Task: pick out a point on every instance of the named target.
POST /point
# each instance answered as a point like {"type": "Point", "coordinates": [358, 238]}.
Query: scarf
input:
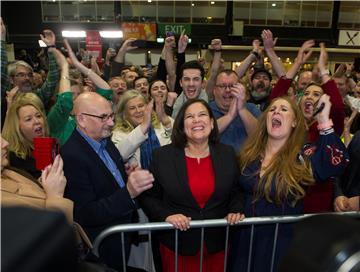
{"type": "Point", "coordinates": [147, 147]}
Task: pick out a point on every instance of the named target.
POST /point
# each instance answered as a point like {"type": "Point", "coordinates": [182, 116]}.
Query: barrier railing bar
{"type": "Point", "coordinates": [205, 223]}
{"type": "Point", "coordinates": [274, 247]}
{"type": "Point", "coordinates": [150, 257]}
{"type": "Point", "coordinates": [123, 250]}
{"type": "Point", "coordinates": [202, 249]}
{"type": "Point", "coordinates": [226, 246]}
{"type": "Point", "coordinates": [176, 249]}
{"type": "Point", "coordinates": [250, 247]}
{"type": "Point", "coordinates": [350, 263]}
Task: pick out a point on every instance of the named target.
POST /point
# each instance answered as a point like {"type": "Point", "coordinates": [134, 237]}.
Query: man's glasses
{"type": "Point", "coordinates": [23, 75]}
{"type": "Point", "coordinates": [224, 87]}
{"type": "Point", "coordinates": [104, 117]}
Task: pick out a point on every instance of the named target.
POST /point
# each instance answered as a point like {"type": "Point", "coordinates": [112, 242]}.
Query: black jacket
{"type": "Point", "coordinates": [171, 195]}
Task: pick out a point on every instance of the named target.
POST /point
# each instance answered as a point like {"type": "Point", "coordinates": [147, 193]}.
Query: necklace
{"type": "Point", "coordinates": [203, 154]}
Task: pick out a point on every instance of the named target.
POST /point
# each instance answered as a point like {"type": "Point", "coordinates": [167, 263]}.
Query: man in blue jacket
{"type": "Point", "coordinates": [103, 195]}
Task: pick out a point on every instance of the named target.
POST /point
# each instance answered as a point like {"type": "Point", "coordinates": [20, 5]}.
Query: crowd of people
{"type": "Point", "coordinates": [179, 142]}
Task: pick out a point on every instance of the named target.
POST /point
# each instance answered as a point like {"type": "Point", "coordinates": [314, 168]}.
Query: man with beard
{"type": "Point", "coordinates": [261, 91]}
{"type": "Point", "coordinates": [191, 79]}
{"type": "Point", "coordinates": [96, 178]}
{"type": "Point", "coordinates": [260, 87]}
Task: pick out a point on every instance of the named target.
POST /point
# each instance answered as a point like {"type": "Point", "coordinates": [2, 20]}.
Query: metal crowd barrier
{"type": "Point", "coordinates": [204, 224]}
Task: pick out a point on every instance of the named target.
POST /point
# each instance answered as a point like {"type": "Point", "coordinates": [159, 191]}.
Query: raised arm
{"type": "Point", "coordinates": [322, 64]}
{"type": "Point", "coordinates": [119, 59]}
{"type": "Point", "coordinates": [180, 56]}
{"type": "Point", "coordinates": [47, 90]}
{"type": "Point", "coordinates": [269, 44]}
{"type": "Point", "coordinates": [303, 55]}
{"type": "Point", "coordinates": [330, 158]}
{"type": "Point", "coordinates": [169, 61]}
{"type": "Point", "coordinates": [161, 69]}
{"type": "Point", "coordinates": [59, 114]}
{"type": "Point", "coordinates": [96, 79]}
{"type": "Point", "coordinates": [253, 56]}
{"type": "Point", "coordinates": [215, 66]}
{"type": "Point", "coordinates": [64, 85]}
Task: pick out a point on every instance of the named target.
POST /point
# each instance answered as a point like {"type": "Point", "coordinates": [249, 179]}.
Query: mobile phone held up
{"type": "Point", "coordinates": [139, 43]}
{"type": "Point", "coordinates": [319, 109]}
{"type": "Point", "coordinates": [45, 151]}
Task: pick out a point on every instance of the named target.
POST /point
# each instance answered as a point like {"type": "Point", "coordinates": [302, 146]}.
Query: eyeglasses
{"type": "Point", "coordinates": [104, 117]}
{"type": "Point", "coordinates": [224, 87]}
{"type": "Point", "coordinates": [23, 75]}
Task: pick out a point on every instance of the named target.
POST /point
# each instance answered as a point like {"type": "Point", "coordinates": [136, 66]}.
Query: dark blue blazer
{"type": "Point", "coordinates": [99, 202]}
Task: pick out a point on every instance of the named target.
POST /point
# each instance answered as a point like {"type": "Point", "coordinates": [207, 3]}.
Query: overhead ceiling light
{"type": "Point", "coordinates": [73, 33]}
{"type": "Point", "coordinates": [160, 40]}
{"type": "Point", "coordinates": [273, 4]}
{"type": "Point", "coordinates": [111, 34]}
{"type": "Point", "coordinates": [192, 4]}
{"type": "Point", "coordinates": [149, 1]}
{"type": "Point", "coordinates": [212, 3]}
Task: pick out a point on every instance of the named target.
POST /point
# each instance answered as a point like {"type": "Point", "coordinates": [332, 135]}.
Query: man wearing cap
{"type": "Point", "coordinates": [260, 87]}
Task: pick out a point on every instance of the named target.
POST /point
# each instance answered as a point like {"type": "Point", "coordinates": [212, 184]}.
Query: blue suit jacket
{"type": "Point", "coordinates": [99, 202]}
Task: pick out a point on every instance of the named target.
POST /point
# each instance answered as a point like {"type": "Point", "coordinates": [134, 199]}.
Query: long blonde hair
{"type": "Point", "coordinates": [290, 172]}
{"type": "Point", "coordinates": [18, 144]}
{"type": "Point", "coordinates": [121, 122]}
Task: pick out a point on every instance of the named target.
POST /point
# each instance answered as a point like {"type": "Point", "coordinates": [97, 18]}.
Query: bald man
{"type": "Point", "coordinates": [96, 179]}
{"type": "Point", "coordinates": [304, 79]}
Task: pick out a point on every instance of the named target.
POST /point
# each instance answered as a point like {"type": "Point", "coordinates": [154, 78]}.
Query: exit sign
{"type": "Point", "coordinates": [175, 28]}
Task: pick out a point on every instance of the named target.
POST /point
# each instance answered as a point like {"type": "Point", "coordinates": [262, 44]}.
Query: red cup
{"type": "Point", "coordinates": [45, 151]}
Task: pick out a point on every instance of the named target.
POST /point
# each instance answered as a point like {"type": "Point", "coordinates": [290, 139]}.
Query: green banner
{"type": "Point", "coordinates": [176, 28]}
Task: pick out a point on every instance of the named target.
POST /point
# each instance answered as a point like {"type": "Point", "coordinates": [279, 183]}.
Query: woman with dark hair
{"type": "Point", "coordinates": [160, 91]}
{"type": "Point", "coordinates": [196, 178]}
